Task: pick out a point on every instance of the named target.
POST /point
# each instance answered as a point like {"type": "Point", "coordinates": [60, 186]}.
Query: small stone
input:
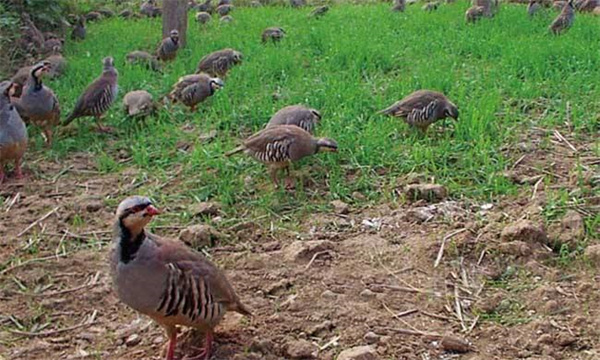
{"type": "Point", "coordinates": [133, 340]}
{"type": "Point", "coordinates": [358, 353]}
{"type": "Point", "coordinates": [358, 196]}
{"type": "Point", "coordinates": [565, 339]}
{"type": "Point", "coordinates": [305, 250]}
{"type": "Point", "coordinates": [545, 339]}
{"type": "Point", "coordinates": [371, 338]}
{"type": "Point", "coordinates": [279, 287]}
{"type": "Point", "coordinates": [572, 229]}
{"type": "Point", "coordinates": [367, 294]}
{"type": "Point", "coordinates": [328, 294]}
{"type": "Point", "coordinates": [323, 327]}
{"type": "Point", "coordinates": [158, 340]}
{"type": "Point", "coordinates": [263, 346]}
{"type": "Point", "coordinates": [593, 254]}
{"type": "Point", "coordinates": [87, 336]}
{"type": "Point", "coordinates": [271, 246]}
{"type": "Point", "coordinates": [301, 349]}
{"type": "Point", "coordinates": [524, 230]}
{"type": "Point", "coordinates": [206, 208]}
{"type": "Point", "coordinates": [454, 344]}
{"type": "Point", "coordinates": [427, 192]}
{"type": "Point", "coordinates": [515, 248]}
{"type": "Point", "coordinates": [94, 206]}
{"type": "Point", "coordinates": [340, 207]}
{"type": "Point", "coordinates": [198, 236]}
{"type": "Point", "coordinates": [207, 137]}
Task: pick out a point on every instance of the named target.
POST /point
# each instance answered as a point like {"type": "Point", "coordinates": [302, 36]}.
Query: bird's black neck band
{"type": "Point", "coordinates": [129, 245]}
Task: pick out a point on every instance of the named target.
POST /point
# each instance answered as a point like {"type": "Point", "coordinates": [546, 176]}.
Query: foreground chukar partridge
{"type": "Point", "coordinates": [167, 50]}
{"type": "Point", "coordinates": [138, 103]}
{"type": "Point", "coordinates": [218, 63]}
{"type": "Point", "coordinates": [166, 280]}
{"type": "Point", "coordinates": [279, 146]}
{"type": "Point", "coordinates": [99, 95]}
{"type": "Point", "coordinates": [13, 133]}
{"type": "Point", "coordinates": [37, 104]}
{"type": "Point", "coordinates": [298, 115]}
{"type": "Point", "coordinates": [564, 20]}
{"type": "Point", "coordinates": [193, 89]}
{"type": "Point", "coordinates": [474, 13]}
{"type": "Point", "coordinates": [422, 108]}
{"type": "Point", "coordinates": [273, 33]}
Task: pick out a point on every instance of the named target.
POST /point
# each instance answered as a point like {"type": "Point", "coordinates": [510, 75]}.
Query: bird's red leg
{"type": "Point", "coordinates": [172, 344]}
{"type": "Point", "coordinates": [1, 174]}
{"type": "Point", "coordinates": [18, 171]}
{"type": "Point", "coordinates": [207, 350]}
{"type": "Point", "coordinates": [48, 134]}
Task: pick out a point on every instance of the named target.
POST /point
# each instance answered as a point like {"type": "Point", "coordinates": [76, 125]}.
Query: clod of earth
{"type": "Point", "coordinates": [199, 236]}
{"type": "Point", "coordinates": [358, 353]}
{"type": "Point", "coordinates": [427, 192]}
{"type": "Point", "coordinates": [524, 230]}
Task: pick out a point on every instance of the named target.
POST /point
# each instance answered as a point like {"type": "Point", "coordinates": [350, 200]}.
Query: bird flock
{"type": "Point", "coordinates": [162, 278]}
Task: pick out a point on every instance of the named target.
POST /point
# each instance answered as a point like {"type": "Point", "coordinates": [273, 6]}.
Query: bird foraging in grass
{"type": "Point", "coordinates": [138, 104]}
{"type": "Point", "coordinates": [99, 96]}
{"type": "Point", "coordinates": [298, 115]}
{"type": "Point", "coordinates": [13, 133]}
{"type": "Point", "coordinates": [273, 33]}
{"type": "Point", "coordinates": [564, 20]}
{"type": "Point", "coordinates": [422, 108]}
{"type": "Point", "coordinates": [279, 146]}
{"type": "Point", "coordinates": [473, 14]}
{"type": "Point", "coordinates": [218, 63]}
{"type": "Point", "coordinates": [167, 50]}
{"type": "Point", "coordinates": [166, 280]}
{"type": "Point", "coordinates": [319, 11]}
{"type": "Point", "coordinates": [533, 7]}
{"type": "Point", "coordinates": [191, 90]}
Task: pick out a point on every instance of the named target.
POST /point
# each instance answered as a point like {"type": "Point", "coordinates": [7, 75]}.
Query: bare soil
{"type": "Point", "coordinates": [342, 280]}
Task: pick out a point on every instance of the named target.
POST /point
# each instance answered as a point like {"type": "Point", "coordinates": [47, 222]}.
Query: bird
{"type": "Point", "coordinates": [79, 31]}
{"type": "Point", "coordinates": [226, 19]}
{"type": "Point", "coordinates": [273, 33]}
{"type": "Point", "coordinates": [143, 58]}
{"type": "Point", "coordinates": [166, 280]}
{"type": "Point", "coordinates": [203, 17]}
{"type": "Point", "coordinates": [193, 89]}
{"type": "Point", "coordinates": [31, 38]}
{"type": "Point", "coordinates": [126, 14]}
{"type": "Point", "coordinates": [138, 103]}
{"type": "Point", "coordinates": [564, 20]}
{"type": "Point", "coordinates": [93, 16]}
{"type": "Point", "coordinates": [422, 108]}
{"type": "Point", "coordinates": [52, 45]}
{"type": "Point", "coordinates": [107, 13]}
{"type": "Point", "coordinates": [278, 146]}
{"type": "Point", "coordinates": [588, 5]}
{"type": "Point", "coordinates": [167, 50]}
{"type": "Point", "coordinates": [19, 80]}
{"type": "Point", "coordinates": [224, 9]}
{"type": "Point", "coordinates": [431, 6]}
{"type": "Point", "coordinates": [206, 6]}
{"type": "Point", "coordinates": [533, 7]}
{"type": "Point", "coordinates": [37, 104]}
{"type": "Point", "coordinates": [558, 5]}
{"type": "Point", "coordinates": [474, 13]}
{"type": "Point", "coordinates": [58, 64]}
{"type": "Point", "coordinates": [13, 133]}
{"type": "Point", "coordinates": [298, 115]}
{"type": "Point", "coordinates": [224, 2]}
{"type": "Point", "coordinates": [297, 3]}
{"type": "Point", "coordinates": [255, 4]}
{"type": "Point", "coordinates": [149, 9]}
{"type": "Point", "coordinates": [399, 5]}
{"type": "Point", "coordinates": [319, 11]}
{"type": "Point", "coordinates": [219, 63]}
{"type": "Point", "coordinates": [98, 96]}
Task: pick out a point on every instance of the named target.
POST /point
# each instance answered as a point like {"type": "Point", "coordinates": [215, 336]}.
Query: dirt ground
{"type": "Point", "coordinates": [363, 277]}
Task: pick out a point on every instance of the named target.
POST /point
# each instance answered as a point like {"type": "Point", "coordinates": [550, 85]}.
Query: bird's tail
{"type": "Point", "coordinates": [69, 119]}
{"type": "Point", "coordinates": [238, 149]}
{"type": "Point", "coordinates": [389, 111]}
{"type": "Point", "coordinates": [241, 308]}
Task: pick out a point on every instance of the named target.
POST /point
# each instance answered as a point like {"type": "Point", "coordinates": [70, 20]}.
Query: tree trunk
{"type": "Point", "coordinates": [174, 14]}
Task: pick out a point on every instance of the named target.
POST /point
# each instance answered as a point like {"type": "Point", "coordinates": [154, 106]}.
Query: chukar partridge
{"type": "Point", "coordinates": [167, 50]}
{"type": "Point", "coordinates": [319, 11]}
{"type": "Point", "coordinates": [107, 13]}
{"type": "Point", "coordinates": [13, 133]}
{"type": "Point", "coordinates": [138, 103]}
{"type": "Point", "coordinates": [79, 31]}
{"type": "Point", "coordinates": [93, 16]}
{"type": "Point", "coordinates": [422, 108]}
{"type": "Point", "coordinates": [58, 64]}
{"type": "Point", "coordinates": [273, 33]}
{"type": "Point", "coordinates": [399, 5]}
{"type": "Point", "coordinates": [224, 9]}
{"type": "Point", "coordinates": [206, 6]}
{"type": "Point", "coordinates": [149, 9]}
{"type": "Point", "coordinates": [473, 14]}
{"type": "Point", "coordinates": [279, 146]}
{"type": "Point", "coordinates": [143, 58]}
{"type": "Point", "coordinates": [126, 14]}
{"type": "Point", "coordinates": [297, 3]}
{"type": "Point", "coordinates": [226, 19]}
{"type": "Point", "coordinates": [564, 20]}
{"type": "Point", "coordinates": [166, 280]}
{"type": "Point", "coordinates": [191, 90]}
{"type": "Point", "coordinates": [224, 2]}
{"type": "Point", "coordinates": [203, 17]}
{"type": "Point", "coordinates": [99, 95]}
{"type": "Point", "coordinates": [588, 6]}
{"type": "Point", "coordinates": [19, 80]}
{"type": "Point", "coordinates": [218, 63]}
{"type": "Point", "coordinates": [431, 6]}
{"type": "Point", "coordinates": [37, 104]}
{"type": "Point", "coordinates": [533, 7]}
{"type": "Point", "coordinates": [298, 115]}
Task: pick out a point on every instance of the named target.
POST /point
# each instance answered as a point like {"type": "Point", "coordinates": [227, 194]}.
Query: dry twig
{"type": "Point", "coordinates": [38, 221]}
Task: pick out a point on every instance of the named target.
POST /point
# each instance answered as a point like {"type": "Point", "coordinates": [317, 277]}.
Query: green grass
{"type": "Point", "coordinates": [351, 63]}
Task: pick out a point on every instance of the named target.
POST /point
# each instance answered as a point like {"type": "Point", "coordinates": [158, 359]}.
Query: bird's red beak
{"type": "Point", "coordinates": [152, 211]}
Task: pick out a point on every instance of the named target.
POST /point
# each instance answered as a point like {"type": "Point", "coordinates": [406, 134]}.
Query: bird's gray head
{"type": "Point", "coordinates": [108, 62]}
{"type": "Point", "coordinates": [7, 90]}
{"type": "Point", "coordinates": [135, 213]}
{"type": "Point", "coordinates": [451, 111]}
{"type": "Point", "coordinates": [216, 84]}
{"type": "Point", "coordinates": [316, 114]}
{"type": "Point", "coordinates": [41, 68]}
{"type": "Point", "coordinates": [237, 57]}
{"type": "Point", "coordinates": [174, 34]}
{"type": "Point", "coordinates": [326, 144]}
